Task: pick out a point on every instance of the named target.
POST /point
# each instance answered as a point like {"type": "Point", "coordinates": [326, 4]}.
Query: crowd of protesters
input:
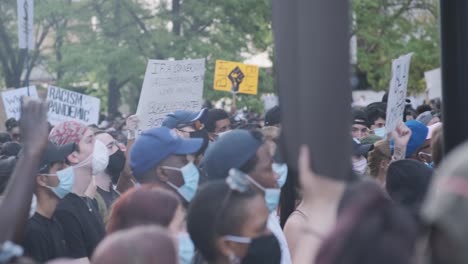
{"type": "Point", "coordinates": [212, 187]}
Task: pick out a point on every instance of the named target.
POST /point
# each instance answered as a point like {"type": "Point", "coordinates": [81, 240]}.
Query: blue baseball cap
{"type": "Point", "coordinates": [232, 150]}
{"type": "Point", "coordinates": [184, 118]}
{"type": "Point", "coordinates": [418, 135]}
{"type": "Point", "coordinates": [155, 145]}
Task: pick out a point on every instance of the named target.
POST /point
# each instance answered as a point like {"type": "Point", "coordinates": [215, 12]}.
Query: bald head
{"type": "Point", "coordinates": [143, 245]}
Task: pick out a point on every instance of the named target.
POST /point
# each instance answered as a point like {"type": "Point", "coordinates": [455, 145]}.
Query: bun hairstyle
{"type": "Point", "coordinates": [11, 123]}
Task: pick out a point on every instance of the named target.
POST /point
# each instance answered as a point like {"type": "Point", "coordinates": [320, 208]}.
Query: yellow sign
{"type": "Point", "coordinates": [236, 77]}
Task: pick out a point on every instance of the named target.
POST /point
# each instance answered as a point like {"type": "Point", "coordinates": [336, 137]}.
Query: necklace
{"type": "Point", "coordinates": [87, 202]}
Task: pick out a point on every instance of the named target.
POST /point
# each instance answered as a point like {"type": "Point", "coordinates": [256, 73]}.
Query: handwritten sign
{"type": "Point", "coordinates": [25, 10]}
{"type": "Point", "coordinates": [236, 77]}
{"type": "Point", "coordinates": [68, 105]}
{"type": "Point", "coordinates": [12, 100]}
{"type": "Point", "coordinates": [397, 92]}
{"type": "Point", "coordinates": [434, 83]}
{"type": "Point", "coordinates": [169, 86]}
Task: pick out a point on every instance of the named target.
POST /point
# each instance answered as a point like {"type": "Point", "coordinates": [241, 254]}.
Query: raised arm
{"type": "Point", "coordinates": [16, 203]}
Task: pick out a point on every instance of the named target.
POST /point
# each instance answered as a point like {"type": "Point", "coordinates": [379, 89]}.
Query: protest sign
{"type": "Point", "coordinates": [434, 83]}
{"type": "Point", "coordinates": [12, 100]}
{"type": "Point", "coordinates": [397, 91]}
{"type": "Point", "coordinates": [169, 86]}
{"type": "Point", "coordinates": [269, 101]}
{"type": "Point", "coordinates": [25, 10]}
{"type": "Point", "coordinates": [236, 77]}
{"type": "Point", "coordinates": [68, 105]}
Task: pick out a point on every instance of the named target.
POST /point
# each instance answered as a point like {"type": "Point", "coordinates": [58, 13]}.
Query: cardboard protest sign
{"type": "Point", "coordinates": [170, 86]}
{"type": "Point", "coordinates": [434, 83]}
{"type": "Point", "coordinates": [25, 10]}
{"type": "Point", "coordinates": [397, 92]}
{"type": "Point", "coordinates": [12, 100]}
{"type": "Point", "coordinates": [68, 105]}
{"type": "Point", "coordinates": [236, 77]}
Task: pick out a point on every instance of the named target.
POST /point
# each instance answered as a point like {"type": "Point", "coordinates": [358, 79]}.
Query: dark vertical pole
{"type": "Point", "coordinates": [454, 37]}
{"type": "Point", "coordinates": [313, 75]}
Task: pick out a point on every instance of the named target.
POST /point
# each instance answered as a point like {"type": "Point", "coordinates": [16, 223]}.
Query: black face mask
{"type": "Point", "coordinates": [203, 135]}
{"type": "Point", "coordinates": [263, 250]}
{"type": "Point", "coordinates": [116, 165]}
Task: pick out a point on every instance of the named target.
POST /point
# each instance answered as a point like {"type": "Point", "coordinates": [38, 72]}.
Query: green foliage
{"type": "Point", "coordinates": [386, 29]}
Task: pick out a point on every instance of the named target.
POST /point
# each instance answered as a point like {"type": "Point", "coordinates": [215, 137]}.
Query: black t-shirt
{"type": "Point", "coordinates": [108, 197]}
{"type": "Point", "coordinates": [82, 225]}
{"type": "Point", "coordinates": [44, 239]}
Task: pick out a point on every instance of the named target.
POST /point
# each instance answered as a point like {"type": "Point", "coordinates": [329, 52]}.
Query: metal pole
{"type": "Point", "coordinates": [313, 75]}
{"type": "Point", "coordinates": [454, 43]}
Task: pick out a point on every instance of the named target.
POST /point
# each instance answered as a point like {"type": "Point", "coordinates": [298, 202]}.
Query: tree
{"type": "Point", "coordinates": [386, 29]}
{"type": "Point", "coordinates": [13, 60]}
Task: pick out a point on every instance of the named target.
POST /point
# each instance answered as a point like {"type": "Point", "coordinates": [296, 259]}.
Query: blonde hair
{"type": "Point", "coordinates": [375, 157]}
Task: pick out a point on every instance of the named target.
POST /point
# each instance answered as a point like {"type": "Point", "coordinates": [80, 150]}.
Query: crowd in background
{"type": "Point", "coordinates": [214, 187]}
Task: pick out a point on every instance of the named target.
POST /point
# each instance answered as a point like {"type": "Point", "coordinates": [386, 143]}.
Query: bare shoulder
{"type": "Point", "coordinates": [294, 225]}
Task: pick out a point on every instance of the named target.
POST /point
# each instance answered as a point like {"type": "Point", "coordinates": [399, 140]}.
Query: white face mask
{"type": "Point", "coordinates": [99, 159]}
{"type": "Point", "coordinates": [360, 166]}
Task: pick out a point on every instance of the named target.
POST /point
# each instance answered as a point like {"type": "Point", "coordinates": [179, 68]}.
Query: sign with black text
{"type": "Point", "coordinates": [68, 105]}
{"type": "Point", "coordinates": [12, 100]}
{"type": "Point", "coordinates": [170, 86]}
{"type": "Point", "coordinates": [397, 93]}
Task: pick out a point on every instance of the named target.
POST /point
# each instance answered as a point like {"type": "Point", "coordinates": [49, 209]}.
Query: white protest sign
{"type": "Point", "coordinates": [269, 101]}
{"type": "Point", "coordinates": [25, 12]}
{"type": "Point", "coordinates": [170, 86]}
{"type": "Point", "coordinates": [434, 83]}
{"type": "Point", "coordinates": [68, 105]}
{"type": "Point", "coordinates": [397, 92]}
{"type": "Point", "coordinates": [12, 100]}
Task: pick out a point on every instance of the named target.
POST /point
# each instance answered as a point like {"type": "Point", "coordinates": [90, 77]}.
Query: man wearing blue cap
{"type": "Point", "coordinates": [185, 122]}
{"type": "Point", "coordinates": [159, 156]}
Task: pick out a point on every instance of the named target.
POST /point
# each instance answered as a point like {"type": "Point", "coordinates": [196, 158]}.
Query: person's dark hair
{"type": "Point", "coordinates": [145, 205]}
{"type": "Point", "coordinates": [407, 183]}
{"type": "Point", "coordinates": [375, 113]}
{"type": "Point", "coordinates": [423, 108]}
{"type": "Point", "coordinates": [215, 211]}
{"type": "Point", "coordinates": [385, 98]}
{"type": "Point", "coordinates": [7, 166]}
{"type": "Point", "coordinates": [11, 123]}
{"type": "Point", "coordinates": [289, 196]}
{"type": "Point", "coordinates": [212, 117]}
{"type": "Point", "coordinates": [409, 111]}
{"type": "Point", "coordinates": [10, 149]}
{"type": "Point", "coordinates": [249, 126]}
{"type": "Point", "coordinates": [4, 137]}
{"type": "Point", "coordinates": [371, 229]}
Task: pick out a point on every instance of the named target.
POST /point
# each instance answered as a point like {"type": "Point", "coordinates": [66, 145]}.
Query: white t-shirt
{"type": "Point", "coordinates": [275, 228]}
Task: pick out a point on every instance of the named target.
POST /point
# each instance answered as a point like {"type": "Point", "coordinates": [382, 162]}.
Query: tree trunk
{"type": "Point", "coordinates": [113, 96]}
{"type": "Point", "coordinates": [176, 23]}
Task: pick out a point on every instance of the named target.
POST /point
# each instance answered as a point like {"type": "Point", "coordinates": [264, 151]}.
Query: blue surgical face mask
{"type": "Point", "coordinates": [66, 178]}
{"type": "Point", "coordinates": [282, 170]}
{"type": "Point", "coordinates": [272, 195]}
{"type": "Point", "coordinates": [186, 249]}
{"type": "Point", "coordinates": [380, 132]}
{"type": "Point", "coordinates": [191, 177]}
